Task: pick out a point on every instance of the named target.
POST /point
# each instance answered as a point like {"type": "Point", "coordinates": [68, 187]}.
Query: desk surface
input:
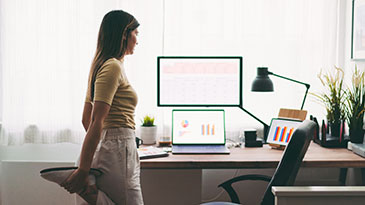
{"type": "Point", "coordinates": [263, 157]}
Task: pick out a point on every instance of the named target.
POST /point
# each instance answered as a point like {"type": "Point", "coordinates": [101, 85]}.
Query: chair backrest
{"type": "Point", "coordinates": [291, 160]}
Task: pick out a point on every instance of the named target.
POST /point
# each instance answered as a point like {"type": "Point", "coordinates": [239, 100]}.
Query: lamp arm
{"type": "Point", "coordinates": [305, 95]}
{"type": "Point", "coordinates": [266, 127]}
{"type": "Point", "coordinates": [306, 85]}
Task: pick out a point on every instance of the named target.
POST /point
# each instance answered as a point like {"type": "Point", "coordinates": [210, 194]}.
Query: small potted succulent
{"type": "Point", "coordinates": [355, 106]}
{"type": "Point", "coordinates": [333, 99]}
{"type": "Point", "coordinates": [148, 130]}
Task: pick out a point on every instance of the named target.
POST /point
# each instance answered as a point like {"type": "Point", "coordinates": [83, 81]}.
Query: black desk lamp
{"type": "Point", "coordinates": [262, 82]}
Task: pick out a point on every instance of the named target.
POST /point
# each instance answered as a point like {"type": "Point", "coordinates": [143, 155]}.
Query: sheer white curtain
{"type": "Point", "coordinates": [46, 47]}
{"type": "Point", "coordinates": [46, 50]}
{"type": "Point", "coordinates": [293, 38]}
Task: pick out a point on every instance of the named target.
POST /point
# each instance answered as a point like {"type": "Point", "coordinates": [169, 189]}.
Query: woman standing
{"type": "Point", "coordinates": [108, 118]}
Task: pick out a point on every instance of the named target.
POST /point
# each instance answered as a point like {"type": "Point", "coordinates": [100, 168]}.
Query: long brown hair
{"type": "Point", "coordinates": [113, 37]}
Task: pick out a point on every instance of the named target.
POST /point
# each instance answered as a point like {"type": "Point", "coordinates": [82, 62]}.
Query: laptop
{"type": "Point", "coordinates": [198, 132]}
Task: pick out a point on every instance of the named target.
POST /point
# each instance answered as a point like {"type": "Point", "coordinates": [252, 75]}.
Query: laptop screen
{"type": "Point", "coordinates": [198, 127]}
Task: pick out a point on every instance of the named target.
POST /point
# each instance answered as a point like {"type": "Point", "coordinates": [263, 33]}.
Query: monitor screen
{"type": "Point", "coordinates": [199, 81]}
{"type": "Point", "coordinates": [198, 127]}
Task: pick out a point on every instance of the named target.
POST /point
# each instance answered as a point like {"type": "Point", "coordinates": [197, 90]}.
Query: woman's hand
{"type": "Point", "coordinates": [77, 181]}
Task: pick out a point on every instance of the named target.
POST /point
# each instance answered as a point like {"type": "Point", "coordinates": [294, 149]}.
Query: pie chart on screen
{"type": "Point", "coordinates": [184, 123]}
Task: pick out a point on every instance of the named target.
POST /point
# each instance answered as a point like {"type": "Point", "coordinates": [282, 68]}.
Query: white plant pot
{"type": "Point", "coordinates": [149, 134]}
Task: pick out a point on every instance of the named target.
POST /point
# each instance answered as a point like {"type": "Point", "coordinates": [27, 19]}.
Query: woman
{"type": "Point", "coordinates": [108, 118]}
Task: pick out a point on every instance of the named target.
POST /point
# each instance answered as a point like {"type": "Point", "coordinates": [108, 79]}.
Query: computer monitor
{"type": "Point", "coordinates": [199, 81]}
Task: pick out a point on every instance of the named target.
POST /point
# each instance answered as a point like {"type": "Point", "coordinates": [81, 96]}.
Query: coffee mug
{"type": "Point", "coordinates": [138, 142]}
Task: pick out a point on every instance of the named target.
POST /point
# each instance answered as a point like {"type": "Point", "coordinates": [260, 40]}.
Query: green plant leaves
{"type": "Point", "coordinates": [355, 101]}
{"type": "Point", "coordinates": [343, 103]}
{"type": "Point", "coordinates": [334, 97]}
{"type": "Point", "coordinates": [148, 121]}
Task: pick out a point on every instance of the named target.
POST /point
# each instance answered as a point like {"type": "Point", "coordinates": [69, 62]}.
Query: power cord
{"type": "Point", "coordinates": [221, 192]}
{"type": "Point", "coordinates": [232, 143]}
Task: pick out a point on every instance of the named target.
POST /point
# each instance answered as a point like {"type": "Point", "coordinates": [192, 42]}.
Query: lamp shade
{"type": "Point", "coordinates": [262, 82]}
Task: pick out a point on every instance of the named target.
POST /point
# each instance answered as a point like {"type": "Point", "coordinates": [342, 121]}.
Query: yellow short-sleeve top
{"type": "Point", "coordinates": [113, 88]}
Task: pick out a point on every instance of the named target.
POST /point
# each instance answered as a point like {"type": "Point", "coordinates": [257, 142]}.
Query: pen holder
{"type": "Point", "coordinates": [327, 137]}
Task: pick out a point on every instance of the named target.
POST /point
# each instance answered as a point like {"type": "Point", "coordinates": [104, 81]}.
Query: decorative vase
{"type": "Point", "coordinates": [148, 134]}
{"type": "Point", "coordinates": [357, 135]}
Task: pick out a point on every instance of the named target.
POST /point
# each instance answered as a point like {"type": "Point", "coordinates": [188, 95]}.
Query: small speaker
{"type": "Point", "coordinates": [256, 143]}
{"type": "Point", "coordinates": [250, 135]}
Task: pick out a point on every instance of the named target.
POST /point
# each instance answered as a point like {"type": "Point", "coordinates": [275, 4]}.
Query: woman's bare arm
{"type": "Point", "coordinates": [79, 179]}
{"type": "Point", "coordinates": [86, 115]}
{"type": "Point", "coordinates": [99, 112]}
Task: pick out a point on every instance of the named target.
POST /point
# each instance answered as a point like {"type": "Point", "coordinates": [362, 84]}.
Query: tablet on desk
{"type": "Point", "coordinates": [281, 130]}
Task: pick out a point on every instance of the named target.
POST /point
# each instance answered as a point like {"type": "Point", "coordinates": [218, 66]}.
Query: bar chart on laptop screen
{"type": "Point", "coordinates": [199, 81]}
{"type": "Point", "coordinates": [198, 127]}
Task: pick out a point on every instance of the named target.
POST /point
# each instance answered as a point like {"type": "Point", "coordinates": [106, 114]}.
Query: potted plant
{"type": "Point", "coordinates": [333, 99]}
{"type": "Point", "coordinates": [148, 130]}
{"type": "Point", "coordinates": [355, 108]}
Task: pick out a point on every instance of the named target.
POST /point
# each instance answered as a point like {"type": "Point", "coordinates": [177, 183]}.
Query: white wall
{"type": "Point", "coordinates": [20, 182]}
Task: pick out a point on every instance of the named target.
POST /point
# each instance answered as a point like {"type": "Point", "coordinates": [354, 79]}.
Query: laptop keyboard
{"type": "Point", "coordinates": [199, 148]}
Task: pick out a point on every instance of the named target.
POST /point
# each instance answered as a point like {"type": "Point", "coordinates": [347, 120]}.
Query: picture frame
{"type": "Point", "coordinates": [358, 30]}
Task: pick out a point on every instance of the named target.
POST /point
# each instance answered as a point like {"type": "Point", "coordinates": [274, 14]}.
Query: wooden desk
{"type": "Point", "coordinates": [164, 179]}
{"type": "Point", "coordinates": [262, 157]}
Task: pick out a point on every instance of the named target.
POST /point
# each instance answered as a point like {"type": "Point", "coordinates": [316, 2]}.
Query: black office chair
{"type": "Point", "coordinates": [286, 171]}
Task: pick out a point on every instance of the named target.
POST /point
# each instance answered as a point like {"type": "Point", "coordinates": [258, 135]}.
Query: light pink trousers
{"type": "Point", "coordinates": [116, 156]}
